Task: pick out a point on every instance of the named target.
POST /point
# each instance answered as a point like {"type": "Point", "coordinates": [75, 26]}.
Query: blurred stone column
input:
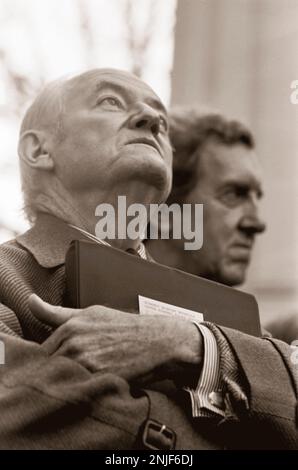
{"type": "Point", "coordinates": [241, 56]}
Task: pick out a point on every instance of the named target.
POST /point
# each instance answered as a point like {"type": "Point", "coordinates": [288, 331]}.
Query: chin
{"type": "Point", "coordinates": [156, 176]}
{"type": "Point", "coordinates": [147, 165]}
{"type": "Point", "coordinates": [233, 279]}
{"type": "Point", "coordinates": [233, 273]}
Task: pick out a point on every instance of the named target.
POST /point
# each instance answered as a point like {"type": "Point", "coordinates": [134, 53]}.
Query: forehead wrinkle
{"type": "Point", "coordinates": [216, 166]}
{"type": "Point", "coordinates": [94, 80]}
{"type": "Point", "coordinates": [112, 85]}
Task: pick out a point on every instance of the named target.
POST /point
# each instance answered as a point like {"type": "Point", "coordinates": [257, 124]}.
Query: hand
{"type": "Point", "coordinates": [107, 340]}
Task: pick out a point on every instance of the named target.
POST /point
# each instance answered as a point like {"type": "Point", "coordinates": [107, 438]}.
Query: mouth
{"type": "Point", "coordinates": [145, 141]}
{"type": "Point", "coordinates": [241, 252]}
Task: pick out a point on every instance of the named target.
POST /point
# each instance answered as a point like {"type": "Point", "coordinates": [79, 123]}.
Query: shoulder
{"type": "Point", "coordinates": [16, 261]}
{"type": "Point", "coordinates": [20, 276]}
{"type": "Point", "coordinates": [11, 253]}
{"type": "Point", "coordinates": [18, 266]}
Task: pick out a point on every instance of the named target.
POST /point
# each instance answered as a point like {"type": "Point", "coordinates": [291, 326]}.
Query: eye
{"type": "Point", "coordinates": [232, 197]}
{"type": "Point", "coordinates": [163, 123]}
{"type": "Point", "coordinates": [110, 102]}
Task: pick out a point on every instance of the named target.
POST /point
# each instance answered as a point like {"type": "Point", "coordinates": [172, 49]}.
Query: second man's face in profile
{"type": "Point", "coordinates": [229, 187]}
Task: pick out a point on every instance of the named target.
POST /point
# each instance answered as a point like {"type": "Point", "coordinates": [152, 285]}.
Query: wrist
{"type": "Point", "coordinates": [190, 343]}
{"type": "Point", "coordinates": [177, 340]}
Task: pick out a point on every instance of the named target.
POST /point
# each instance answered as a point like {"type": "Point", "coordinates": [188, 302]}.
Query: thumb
{"type": "Point", "coordinates": [50, 314]}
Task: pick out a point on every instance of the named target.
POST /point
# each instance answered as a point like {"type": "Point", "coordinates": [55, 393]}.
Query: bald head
{"type": "Point", "coordinates": [46, 111]}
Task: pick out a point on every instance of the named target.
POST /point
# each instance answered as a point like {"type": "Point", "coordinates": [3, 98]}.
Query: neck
{"type": "Point", "coordinates": [171, 253]}
{"type": "Point", "coordinates": [86, 211]}
{"type": "Point", "coordinates": [164, 252]}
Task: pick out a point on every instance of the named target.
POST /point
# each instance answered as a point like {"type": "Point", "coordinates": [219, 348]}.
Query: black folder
{"type": "Point", "coordinates": [101, 275]}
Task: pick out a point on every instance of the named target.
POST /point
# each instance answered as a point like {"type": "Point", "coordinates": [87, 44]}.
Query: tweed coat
{"type": "Point", "coordinates": [51, 402]}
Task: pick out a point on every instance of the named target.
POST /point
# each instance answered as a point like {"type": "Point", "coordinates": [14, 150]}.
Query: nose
{"type": "Point", "coordinates": [251, 223]}
{"type": "Point", "coordinates": [146, 118]}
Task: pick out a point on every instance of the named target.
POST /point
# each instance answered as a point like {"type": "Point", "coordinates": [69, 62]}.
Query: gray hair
{"type": "Point", "coordinates": [45, 113]}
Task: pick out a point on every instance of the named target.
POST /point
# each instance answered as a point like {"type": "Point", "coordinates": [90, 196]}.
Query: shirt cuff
{"type": "Point", "coordinates": [207, 397]}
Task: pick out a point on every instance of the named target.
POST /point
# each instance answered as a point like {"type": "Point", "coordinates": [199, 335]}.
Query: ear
{"type": "Point", "coordinates": [34, 149]}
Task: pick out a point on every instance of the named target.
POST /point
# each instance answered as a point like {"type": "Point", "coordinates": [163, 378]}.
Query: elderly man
{"type": "Point", "coordinates": [83, 378]}
{"type": "Point", "coordinates": [215, 165]}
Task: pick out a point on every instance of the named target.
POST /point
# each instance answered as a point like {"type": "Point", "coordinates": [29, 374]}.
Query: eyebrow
{"type": "Point", "coordinates": [236, 183]}
{"type": "Point", "coordinates": [107, 84]}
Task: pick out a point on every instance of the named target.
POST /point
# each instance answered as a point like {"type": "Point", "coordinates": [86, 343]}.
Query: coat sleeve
{"type": "Point", "coordinates": [51, 402]}
{"type": "Point", "coordinates": [263, 368]}
{"type": "Point", "coordinates": [54, 403]}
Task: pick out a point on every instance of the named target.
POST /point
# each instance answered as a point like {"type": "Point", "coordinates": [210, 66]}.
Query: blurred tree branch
{"type": "Point", "coordinates": [86, 31]}
{"type": "Point", "coordinates": [138, 46]}
{"type": "Point", "coordinates": [20, 85]}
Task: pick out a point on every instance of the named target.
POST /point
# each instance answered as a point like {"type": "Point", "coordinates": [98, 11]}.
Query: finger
{"type": "Point", "coordinates": [54, 341]}
{"type": "Point", "coordinates": [50, 314]}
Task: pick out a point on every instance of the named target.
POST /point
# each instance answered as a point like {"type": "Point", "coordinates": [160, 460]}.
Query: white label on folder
{"type": "Point", "coordinates": [155, 307]}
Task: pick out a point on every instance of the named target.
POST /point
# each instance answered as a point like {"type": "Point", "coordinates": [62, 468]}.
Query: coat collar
{"type": "Point", "coordinates": [48, 240]}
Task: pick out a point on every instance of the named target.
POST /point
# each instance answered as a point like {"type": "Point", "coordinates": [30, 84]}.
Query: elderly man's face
{"type": "Point", "coordinates": [229, 186]}
{"type": "Point", "coordinates": [114, 132]}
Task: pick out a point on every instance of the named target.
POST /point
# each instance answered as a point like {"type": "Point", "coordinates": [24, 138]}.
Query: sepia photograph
{"type": "Point", "coordinates": [149, 227]}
